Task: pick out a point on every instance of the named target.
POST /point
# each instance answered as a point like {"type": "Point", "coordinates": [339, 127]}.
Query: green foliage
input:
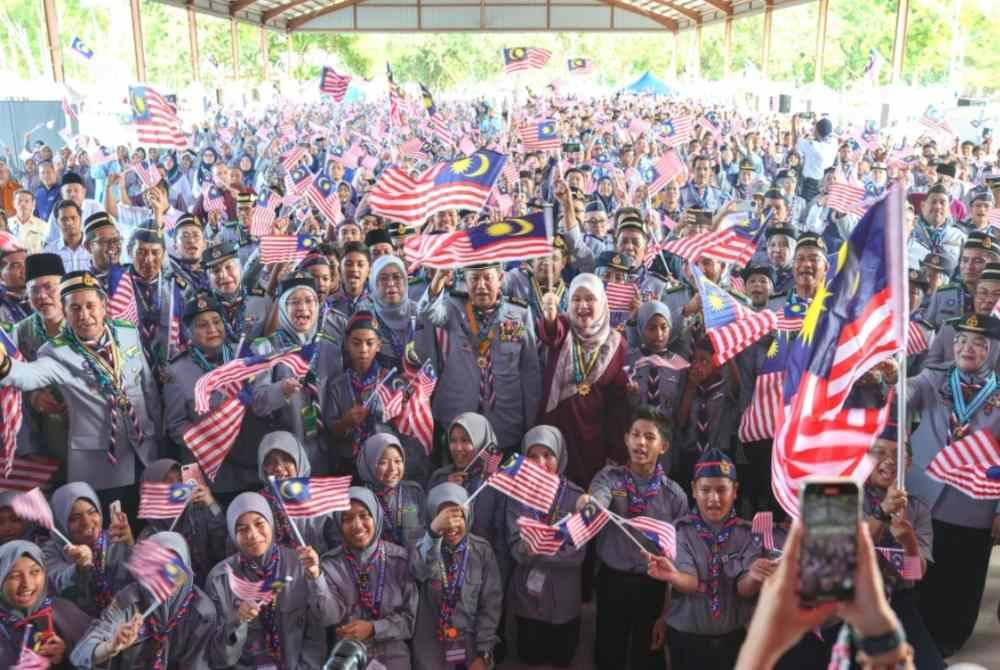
{"type": "Point", "coordinates": [948, 41]}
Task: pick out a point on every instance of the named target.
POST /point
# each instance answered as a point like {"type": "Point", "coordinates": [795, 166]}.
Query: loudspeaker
{"type": "Point", "coordinates": [784, 104]}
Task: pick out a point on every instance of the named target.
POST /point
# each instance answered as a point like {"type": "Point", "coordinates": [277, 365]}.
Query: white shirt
{"type": "Point", "coordinates": [89, 207]}
{"type": "Point", "coordinates": [817, 156]}
{"type": "Point", "coordinates": [73, 259]}
{"type": "Point", "coordinates": [31, 233]}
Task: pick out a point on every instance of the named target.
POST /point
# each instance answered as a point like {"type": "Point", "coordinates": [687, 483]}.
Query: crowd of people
{"type": "Point", "coordinates": [625, 405]}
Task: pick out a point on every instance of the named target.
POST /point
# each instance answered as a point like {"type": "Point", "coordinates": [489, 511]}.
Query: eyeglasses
{"type": "Point", "coordinates": [109, 242]}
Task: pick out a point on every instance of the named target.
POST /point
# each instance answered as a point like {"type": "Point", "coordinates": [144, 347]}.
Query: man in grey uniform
{"type": "Point", "coordinates": [955, 299]}
{"type": "Point", "coordinates": [111, 397]}
{"type": "Point", "coordinates": [492, 364]}
{"type": "Point", "coordinates": [245, 309]}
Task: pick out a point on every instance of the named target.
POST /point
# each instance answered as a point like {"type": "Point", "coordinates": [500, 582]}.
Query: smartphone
{"type": "Point", "coordinates": [115, 508]}
{"type": "Point", "coordinates": [831, 512]}
{"type": "Point", "coordinates": [571, 147]}
{"type": "Point", "coordinates": [191, 474]}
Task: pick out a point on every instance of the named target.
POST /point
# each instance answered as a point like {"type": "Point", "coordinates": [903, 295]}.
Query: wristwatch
{"type": "Point", "coordinates": [880, 644]}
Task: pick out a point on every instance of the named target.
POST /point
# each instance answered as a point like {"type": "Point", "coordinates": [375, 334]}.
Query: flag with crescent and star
{"type": "Point", "coordinates": [524, 58]}
{"type": "Point", "coordinates": [730, 326]}
{"type": "Point", "coordinates": [155, 119]}
{"type": "Point", "coordinates": [518, 238]}
{"type": "Point", "coordinates": [540, 136]}
{"type": "Point", "coordinates": [464, 183]}
{"type": "Point", "coordinates": [306, 497]}
{"type": "Point", "coordinates": [580, 65]}
{"type": "Point", "coordinates": [323, 193]}
{"type": "Point", "coordinates": [157, 568]}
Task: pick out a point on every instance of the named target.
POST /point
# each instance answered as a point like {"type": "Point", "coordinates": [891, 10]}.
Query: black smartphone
{"type": "Point", "coordinates": [828, 557]}
{"type": "Point", "coordinates": [571, 147]}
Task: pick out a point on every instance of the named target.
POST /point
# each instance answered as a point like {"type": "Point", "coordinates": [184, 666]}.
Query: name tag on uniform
{"type": "Point", "coordinates": [618, 493]}
{"type": "Point", "coordinates": [535, 582]}
{"type": "Point", "coordinates": [131, 352]}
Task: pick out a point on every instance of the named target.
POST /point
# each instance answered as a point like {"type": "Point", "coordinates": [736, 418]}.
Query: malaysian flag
{"type": "Point", "coordinates": [971, 465]}
{"type": "Point", "coordinates": [933, 121]}
{"type": "Point", "coordinates": [516, 59]}
{"type": "Point", "coordinates": [666, 170]}
{"type": "Point", "coordinates": [586, 524]}
{"type": "Point", "coordinates": [32, 506]}
{"type": "Point", "coordinates": [413, 149]}
{"type": "Point", "coordinates": [307, 497]}
{"type": "Point", "coordinates": [908, 567]}
{"type": "Point", "coordinates": [149, 173]}
{"type": "Point", "coordinates": [541, 538]}
{"type": "Point", "coordinates": [210, 439]}
{"type": "Point", "coordinates": [657, 361]}
{"type": "Point", "coordinates": [333, 84]}
{"type": "Point", "coordinates": [395, 98]}
{"type": "Point", "coordinates": [580, 65]}
{"type": "Point", "coordinates": [156, 121]}
{"type": "Point", "coordinates": [661, 533]}
{"type": "Point", "coordinates": [763, 527]}
{"type": "Point", "coordinates": [121, 300]}
{"type": "Point", "coordinates": [10, 405]}
{"type": "Point", "coordinates": [323, 192]}
{"type": "Point", "coordinates": [285, 248]}
{"type": "Point", "coordinates": [916, 339]}
{"type": "Point", "coordinates": [416, 419]}
{"type": "Point", "coordinates": [214, 200]}
{"type": "Point", "coordinates": [620, 296]}
{"type": "Point", "coordinates": [855, 321]}
{"type": "Point", "coordinates": [461, 184]}
{"type": "Point", "coordinates": [524, 481]}
{"type": "Point", "coordinates": [160, 500]}
{"type": "Point", "coordinates": [678, 130]}
{"type": "Point", "coordinates": [80, 47]}
{"type": "Point", "coordinates": [510, 240]}
{"type": "Point", "coordinates": [297, 182]}
{"type": "Point", "coordinates": [540, 135]}
{"type": "Point", "coordinates": [262, 592]}
{"type": "Point", "coordinates": [297, 359]}
{"type": "Point", "coordinates": [845, 198]}
{"type": "Point", "coordinates": [293, 158]}
{"type": "Point", "coordinates": [265, 210]}
{"type": "Point", "coordinates": [24, 474]}
{"type": "Point", "coordinates": [760, 419]}
{"type": "Point", "coordinates": [993, 217]}
{"type": "Point", "coordinates": [729, 326]}
{"type": "Point", "coordinates": [157, 568]}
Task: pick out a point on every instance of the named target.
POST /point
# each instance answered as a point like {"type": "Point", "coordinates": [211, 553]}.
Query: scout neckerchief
{"type": "Point", "coordinates": [106, 365]}
{"type": "Point", "coordinates": [387, 333]}
{"type": "Point", "coordinates": [160, 632]}
{"type": "Point", "coordinates": [198, 356]}
{"type": "Point", "coordinates": [369, 595]}
{"type": "Point", "coordinates": [266, 569]}
{"type": "Point", "coordinates": [537, 293]}
{"type": "Point", "coordinates": [638, 500]}
{"type": "Point", "coordinates": [933, 235]}
{"type": "Point", "coordinates": [15, 305]}
{"type": "Point", "coordinates": [483, 325]}
{"type": "Point", "coordinates": [283, 533]}
{"type": "Point", "coordinates": [39, 334]}
{"type": "Point", "coordinates": [714, 542]}
{"type": "Point", "coordinates": [651, 396]}
{"type": "Point", "coordinates": [235, 308]}
{"type": "Point", "coordinates": [391, 500]}
{"type": "Point", "coordinates": [553, 514]}
{"type": "Point", "coordinates": [963, 408]}
{"type": "Point", "coordinates": [703, 418]}
{"type": "Point", "coordinates": [147, 299]}
{"type": "Point", "coordinates": [99, 572]}
{"type": "Point", "coordinates": [583, 365]}
{"type": "Point", "coordinates": [456, 560]}
{"type": "Point", "coordinates": [361, 387]}
{"type": "Point", "coordinates": [40, 620]}
{"type": "Point", "coordinates": [310, 412]}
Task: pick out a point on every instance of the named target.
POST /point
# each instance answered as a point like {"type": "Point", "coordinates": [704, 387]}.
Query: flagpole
{"type": "Point", "coordinates": [151, 608]}
{"type": "Point", "coordinates": [615, 519]}
{"type": "Point", "coordinates": [378, 386]}
{"type": "Point", "coordinates": [61, 536]}
{"type": "Point", "coordinates": [475, 458]}
{"type": "Point", "coordinates": [291, 521]}
{"type": "Point", "coordinates": [178, 517]}
{"type": "Point", "coordinates": [486, 483]}
{"type": "Point", "coordinates": [904, 317]}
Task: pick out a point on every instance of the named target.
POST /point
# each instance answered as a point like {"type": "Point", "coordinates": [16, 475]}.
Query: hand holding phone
{"type": "Point", "coordinates": [831, 513]}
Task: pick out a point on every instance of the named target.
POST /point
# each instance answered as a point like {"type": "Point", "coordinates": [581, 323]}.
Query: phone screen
{"type": "Point", "coordinates": [829, 553]}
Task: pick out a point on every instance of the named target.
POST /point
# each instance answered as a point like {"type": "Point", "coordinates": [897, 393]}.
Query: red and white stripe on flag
{"type": "Point", "coordinates": [250, 591]}
{"type": "Point", "coordinates": [163, 127]}
{"type": "Point", "coordinates": [416, 418]}
{"type": "Point", "coordinates": [541, 538]}
{"type": "Point", "coordinates": [527, 483]}
{"type": "Point", "coordinates": [155, 567]}
{"type": "Point", "coordinates": [845, 198]}
{"type": "Point", "coordinates": [32, 506]}
{"type": "Point", "coordinates": [24, 474]}
{"type": "Point", "coordinates": [162, 500]}
{"type": "Point", "coordinates": [660, 532]}
{"type": "Point", "coordinates": [326, 495]}
{"type": "Point", "coordinates": [244, 368]}
{"type": "Point", "coordinates": [586, 524]}
{"type": "Point", "coordinates": [908, 567]}
{"type": "Point", "coordinates": [916, 339]}
{"type": "Point", "coordinates": [263, 216]}
{"type": "Point", "coordinates": [292, 159]}
{"type": "Point", "coordinates": [971, 465]}
{"type": "Point", "coordinates": [667, 168]}
{"type": "Point", "coordinates": [760, 419]}
{"type": "Point", "coordinates": [210, 439]}
{"type": "Point", "coordinates": [122, 304]}
{"type": "Point", "coordinates": [334, 84]}
{"type": "Point", "coordinates": [411, 200]}
{"type": "Point", "coordinates": [620, 296]}
{"type": "Point", "coordinates": [13, 417]}
{"type": "Point", "coordinates": [763, 525]}
{"type": "Point", "coordinates": [734, 337]}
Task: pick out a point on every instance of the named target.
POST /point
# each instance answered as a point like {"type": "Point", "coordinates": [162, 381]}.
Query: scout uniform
{"type": "Point", "coordinates": [707, 197]}
{"type": "Point", "coordinates": [372, 584]}
{"type": "Point", "coordinates": [113, 404]}
{"type": "Point", "coordinates": [984, 195]}
{"type": "Point", "coordinates": [629, 601]}
{"type": "Point", "coordinates": [707, 627]}
{"type": "Point", "coordinates": [611, 260]}
{"type": "Point", "coordinates": [13, 307]}
{"type": "Point", "coordinates": [160, 304]}
{"type": "Point", "coordinates": [461, 593]}
{"type": "Point", "coordinates": [597, 245]}
{"type": "Point", "coordinates": [660, 385]}
{"type": "Point", "coordinates": [399, 325]}
{"type": "Point", "coordinates": [945, 239]}
{"type": "Point", "coordinates": [239, 469]}
{"type": "Point", "coordinates": [492, 366]}
{"type": "Point", "coordinates": [955, 300]}
{"type": "Point", "coordinates": [954, 404]}
{"type": "Point", "coordinates": [521, 285]}
{"type": "Point", "coordinates": [783, 279]}
{"type": "Point", "coordinates": [920, 329]}
{"type": "Point", "coordinates": [403, 505]}
{"type": "Point", "coordinates": [245, 312]}
{"type": "Point", "coordinates": [194, 275]}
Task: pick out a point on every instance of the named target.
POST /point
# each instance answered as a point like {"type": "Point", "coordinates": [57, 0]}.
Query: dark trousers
{"type": "Point", "coordinates": [755, 476]}
{"type": "Point", "coordinates": [952, 590]}
{"type": "Point", "coordinates": [810, 188]}
{"type": "Point", "coordinates": [704, 652]}
{"type": "Point", "coordinates": [925, 653]}
{"type": "Point", "coordinates": [541, 642]}
{"type": "Point", "coordinates": [627, 607]}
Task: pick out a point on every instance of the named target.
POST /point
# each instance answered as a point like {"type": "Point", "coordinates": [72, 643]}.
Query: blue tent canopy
{"type": "Point", "coordinates": [647, 83]}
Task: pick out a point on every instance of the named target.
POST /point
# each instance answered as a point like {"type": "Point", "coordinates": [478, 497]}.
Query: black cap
{"type": "Point", "coordinates": [811, 240]}
{"type": "Point", "coordinates": [991, 272]}
{"type": "Point", "coordinates": [377, 236]}
{"type": "Point", "coordinates": [219, 253]}
{"type": "Point", "coordinates": [43, 265]}
{"type": "Point", "coordinates": [149, 233]}
{"type": "Point", "coordinates": [946, 169]}
{"type": "Point", "coordinates": [919, 278]}
{"type": "Point", "coordinates": [938, 188]}
{"type": "Point", "coordinates": [983, 195]}
{"type": "Point", "coordinates": [79, 280]}
{"type": "Point", "coordinates": [595, 206]}
{"type": "Point", "coordinates": [746, 165]}
{"type": "Point", "coordinates": [982, 242]}
{"type": "Point", "coordinates": [71, 178]}
{"type": "Point", "coordinates": [787, 231]}
{"type": "Point", "coordinates": [297, 280]}
{"type": "Point", "coordinates": [187, 220]}
{"type": "Point", "coordinates": [765, 270]}
{"type": "Point", "coordinates": [980, 324]}
{"type": "Point", "coordinates": [824, 127]}
{"type": "Point", "coordinates": [95, 222]}
{"type": "Point", "coordinates": [615, 261]}
{"type": "Point", "coordinates": [935, 262]}
{"type": "Point", "coordinates": [202, 302]}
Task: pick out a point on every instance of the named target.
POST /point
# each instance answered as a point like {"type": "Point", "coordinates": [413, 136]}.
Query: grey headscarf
{"type": "Point", "coordinates": [989, 365]}
{"type": "Point", "coordinates": [286, 323]}
{"type": "Point", "coordinates": [448, 492]}
{"type": "Point", "coordinates": [649, 310]}
{"type": "Point", "coordinates": [478, 427]}
{"type": "Point", "coordinates": [284, 441]}
{"type": "Point", "coordinates": [176, 543]}
{"type": "Point", "coordinates": [66, 496]}
{"type": "Point", "coordinates": [157, 471]}
{"type": "Point", "coordinates": [549, 437]}
{"type": "Point", "coordinates": [30, 527]}
{"type": "Point", "coordinates": [243, 503]}
{"type": "Point", "coordinates": [9, 553]}
{"type": "Point", "coordinates": [367, 498]}
{"type": "Point", "coordinates": [395, 316]}
{"type": "Point", "coordinates": [371, 452]}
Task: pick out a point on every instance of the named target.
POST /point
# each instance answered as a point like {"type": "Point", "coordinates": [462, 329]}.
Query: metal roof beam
{"type": "Point", "coordinates": [721, 5]}
{"type": "Point", "coordinates": [239, 6]}
{"type": "Point", "coordinates": [299, 21]}
{"type": "Point", "coordinates": [665, 21]}
{"type": "Point", "coordinates": [280, 9]}
{"type": "Point", "coordinates": [690, 13]}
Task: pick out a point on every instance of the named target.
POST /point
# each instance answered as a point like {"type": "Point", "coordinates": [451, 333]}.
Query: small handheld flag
{"type": "Point", "coordinates": [526, 482]}
{"type": "Point", "coordinates": [160, 500]}
{"type": "Point", "coordinates": [32, 506]}
{"type": "Point", "coordinates": [304, 497]}
{"type": "Point", "coordinates": [157, 568]}
{"type": "Point", "coordinates": [262, 592]}
{"type": "Point", "coordinates": [586, 524]}
{"type": "Point", "coordinates": [540, 538]}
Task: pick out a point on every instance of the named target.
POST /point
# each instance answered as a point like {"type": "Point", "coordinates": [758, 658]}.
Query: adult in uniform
{"type": "Point", "coordinates": [400, 327]}
{"type": "Point", "coordinates": [921, 333]}
{"type": "Point", "coordinates": [111, 395]}
{"type": "Point", "coordinates": [809, 266]}
{"type": "Point", "coordinates": [699, 192]}
{"type": "Point", "coordinates": [938, 272]}
{"type": "Point", "coordinates": [492, 366]}
{"type": "Point", "coordinates": [980, 204]}
{"type": "Point", "coordinates": [13, 298]}
{"type": "Point", "coordinates": [759, 283]}
{"type": "Point", "coordinates": [595, 223]}
{"type": "Point", "coordinates": [780, 244]}
{"type": "Point", "coordinates": [954, 300]}
{"type": "Point", "coordinates": [186, 260]}
{"type": "Point", "coordinates": [159, 298]}
{"type": "Point", "coordinates": [245, 310]}
{"type": "Point", "coordinates": [934, 231]}
{"type": "Point", "coordinates": [532, 280]}
{"type": "Point", "coordinates": [955, 402]}
{"type": "Point", "coordinates": [987, 295]}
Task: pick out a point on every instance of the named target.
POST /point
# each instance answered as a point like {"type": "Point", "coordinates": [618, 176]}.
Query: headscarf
{"type": "Point", "coordinates": [371, 452]}
{"type": "Point", "coordinates": [607, 200]}
{"type": "Point", "coordinates": [348, 208]}
{"type": "Point", "coordinates": [66, 496]}
{"type": "Point", "coordinates": [243, 503]}
{"type": "Point", "coordinates": [647, 311]}
{"type": "Point", "coordinates": [285, 323]}
{"type": "Point", "coordinates": [549, 437]}
{"type": "Point", "coordinates": [597, 332]}
{"type": "Point", "coordinates": [157, 471]}
{"type": "Point", "coordinates": [989, 365]}
{"type": "Point", "coordinates": [31, 529]}
{"type": "Point", "coordinates": [204, 174]}
{"type": "Point", "coordinates": [367, 498]}
{"type": "Point", "coordinates": [174, 173]}
{"type": "Point", "coordinates": [394, 316]}
{"type": "Point", "coordinates": [249, 176]}
{"type": "Point", "coordinates": [481, 433]}
{"type": "Point", "coordinates": [176, 543]}
{"type": "Point", "coordinates": [10, 552]}
{"type": "Point", "coordinates": [284, 441]}
{"type": "Point", "coordinates": [448, 492]}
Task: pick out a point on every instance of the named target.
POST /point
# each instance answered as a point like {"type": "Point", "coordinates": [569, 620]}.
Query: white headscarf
{"type": "Point", "coordinates": [597, 332]}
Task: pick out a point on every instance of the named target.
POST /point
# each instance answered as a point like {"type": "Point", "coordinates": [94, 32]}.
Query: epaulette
{"type": "Point", "coordinates": [456, 293]}
{"type": "Point", "coordinates": [953, 321]}
{"type": "Point", "coordinates": [7, 326]}
{"type": "Point", "coordinates": [416, 279]}
{"type": "Point", "coordinates": [123, 323]}
{"type": "Point", "coordinates": [517, 301]}
{"type": "Point", "coordinates": [257, 291]}
{"type": "Point", "coordinates": [950, 285]}
{"type": "Point", "coordinates": [325, 337]}
{"type": "Point", "coordinates": [672, 289]}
